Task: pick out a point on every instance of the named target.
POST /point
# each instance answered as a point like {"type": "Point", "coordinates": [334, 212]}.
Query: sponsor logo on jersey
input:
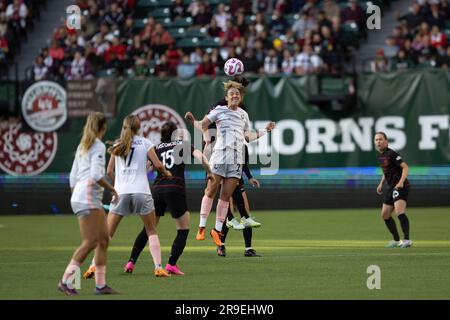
{"type": "Point", "coordinates": [25, 153]}
{"type": "Point", "coordinates": [44, 106]}
{"type": "Point", "coordinates": [153, 116]}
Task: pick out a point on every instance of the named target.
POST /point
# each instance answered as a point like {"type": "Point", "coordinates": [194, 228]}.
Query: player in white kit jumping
{"type": "Point", "coordinates": [87, 184]}
{"type": "Point", "coordinates": [127, 168]}
{"type": "Point", "coordinates": [227, 158]}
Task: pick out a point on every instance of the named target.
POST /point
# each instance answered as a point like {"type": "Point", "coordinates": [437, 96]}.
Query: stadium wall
{"type": "Point", "coordinates": [412, 107]}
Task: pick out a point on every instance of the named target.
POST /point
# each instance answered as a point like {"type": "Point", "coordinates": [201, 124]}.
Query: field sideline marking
{"type": "Point", "coordinates": [265, 257]}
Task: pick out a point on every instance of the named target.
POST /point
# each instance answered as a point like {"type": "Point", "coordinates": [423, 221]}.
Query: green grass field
{"type": "Point", "coordinates": [315, 254]}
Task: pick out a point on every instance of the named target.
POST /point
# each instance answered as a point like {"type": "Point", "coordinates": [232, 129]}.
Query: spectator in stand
{"type": "Point", "coordinates": [261, 6]}
{"type": "Point", "coordinates": [114, 16]}
{"type": "Point", "coordinates": [207, 67]}
{"type": "Point", "coordinates": [161, 39]}
{"type": "Point", "coordinates": [401, 62]}
{"type": "Point", "coordinates": [186, 70]}
{"type": "Point", "coordinates": [203, 17]}
{"type": "Point", "coordinates": [231, 36]}
{"type": "Point", "coordinates": [17, 13]}
{"type": "Point", "coordinates": [413, 18]}
{"type": "Point", "coordinates": [194, 7]}
{"type": "Point", "coordinates": [390, 49]}
{"type": "Point", "coordinates": [354, 13]}
{"type": "Point", "coordinates": [435, 17]}
{"type": "Point", "coordinates": [279, 24]}
{"type": "Point", "coordinates": [137, 49]}
{"type": "Point", "coordinates": [79, 68]}
{"type": "Point", "coordinates": [4, 48]}
{"type": "Point", "coordinates": [331, 9]}
{"type": "Point", "coordinates": [40, 69]}
{"type": "Point", "coordinates": [221, 17]}
{"type": "Point", "coordinates": [444, 60]}
{"type": "Point", "coordinates": [271, 63]}
{"type": "Point", "coordinates": [196, 56]}
{"type": "Point", "coordinates": [173, 57]}
{"type": "Point", "coordinates": [249, 61]}
{"type": "Point", "coordinates": [240, 5]}
{"type": "Point", "coordinates": [117, 48]}
{"type": "Point", "coordinates": [162, 68]}
{"type": "Point", "coordinates": [307, 62]}
{"type": "Point", "coordinates": [146, 33]}
{"type": "Point", "coordinates": [302, 24]}
{"type": "Point", "coordinates": [287, 66]}
{"type": "Point", "coordinates": [214, 30]}
{"type": "Point", "coordinates": [217, 59]}
{"type": "Point", "coordinates": [241, 24]}
{"type": "Point", "coordinates": [260, 23]}
{"type": "Point", "coordinates": [127, 30]}
{"type": "Point", "coordinates": [177, 10]}
{"type": "Point", "coordinates": [381, 63]}
{"type": "Point", "coordinates": [438, 39]}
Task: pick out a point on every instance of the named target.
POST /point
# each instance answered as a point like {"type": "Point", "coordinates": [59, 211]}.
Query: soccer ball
{"type": "Point", "coordinates": [233, 67]}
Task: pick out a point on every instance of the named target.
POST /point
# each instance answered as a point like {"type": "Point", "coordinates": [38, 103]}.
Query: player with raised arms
{"type": "Point", "coordinates": [227, 157]}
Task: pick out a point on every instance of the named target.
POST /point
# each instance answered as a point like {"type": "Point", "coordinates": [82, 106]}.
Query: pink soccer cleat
{"type": "Point", "coordinates": [129, 267]}
{"type": "Point", "coordinates": [174, 270]}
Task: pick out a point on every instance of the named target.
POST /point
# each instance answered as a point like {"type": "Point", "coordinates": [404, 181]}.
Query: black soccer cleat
{"type": "Point", "coordinates": [221, 251]}
{"type": "Point", "coordinates": [251, 253]}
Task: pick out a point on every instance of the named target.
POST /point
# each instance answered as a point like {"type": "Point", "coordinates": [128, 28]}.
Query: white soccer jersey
{"type": "Point", "coordinates": [131, 171]}
{"type": "Point", "coordinates": [87, 169]}
{"type": "Point", "coordinates": [231, 127]}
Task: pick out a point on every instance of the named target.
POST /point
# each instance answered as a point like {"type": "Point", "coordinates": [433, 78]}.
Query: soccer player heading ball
{"type": "Point", "coordinates": [395, 188]}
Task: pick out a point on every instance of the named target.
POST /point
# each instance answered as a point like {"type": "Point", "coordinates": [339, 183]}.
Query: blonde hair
{"type": "Point", "coordinates": [95, 123]}
{"type": "Point", "coordinates": [130, 127]}
{"type": "Point", "coordinates": [233, 84]}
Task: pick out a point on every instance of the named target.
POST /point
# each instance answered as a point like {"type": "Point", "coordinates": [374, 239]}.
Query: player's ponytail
{"type": "Point", "coordinates": [95, 123]}
{"type": "Point", "coordinates": [130, 128]}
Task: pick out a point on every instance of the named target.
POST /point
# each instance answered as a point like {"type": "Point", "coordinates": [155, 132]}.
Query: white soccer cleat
{"type": "Point", "coordinates": [393, 244]}
{"type": "Point", "coordinates": [250, 223]}
{"type": "Point", "coordinates": [234, 224]}
{"type": "Point", "coordinates": [405, 244]}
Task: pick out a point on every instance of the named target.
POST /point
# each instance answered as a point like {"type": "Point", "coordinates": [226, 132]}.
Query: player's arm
{"type": "Point", "coordinates": [96, 168]}
{"type": "Point", "coordinates": [405, 171]}
{"type": "Point", "coordinates": [73, 174]}
{"type": "Point", "coordinates": [254, 135]}
{"type": "Point", "coordinates": [380, 185]}
{"type": "Point", "coordinates": [201, 157]}
{"type": "Point", "coordinates": [157, 164]}
{"type": "Point", "coordinates": [110, 170]}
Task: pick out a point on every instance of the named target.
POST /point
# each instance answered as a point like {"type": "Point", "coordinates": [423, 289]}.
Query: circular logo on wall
{"type": "Point", "coordinates": [44, 106]}
{"type": "Point", "coordinates": [152, 118]}
{"type": "Point", "coordinates": [25, 153]}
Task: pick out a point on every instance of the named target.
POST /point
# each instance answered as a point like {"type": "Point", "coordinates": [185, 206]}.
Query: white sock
{"type": "Point", "coordinates": [203, 222]}
{"type": "Point", "coordinates": [219, 225]}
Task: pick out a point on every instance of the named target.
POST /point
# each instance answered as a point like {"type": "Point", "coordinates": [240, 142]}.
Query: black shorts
{"type": "Point", "coordinates": [390, 195]}
{"type": "Point", "coordinates": [174, 202]}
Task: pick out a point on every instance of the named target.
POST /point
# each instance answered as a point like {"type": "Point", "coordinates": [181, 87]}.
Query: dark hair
{"type": "Point", "coordinates": [242, 80]}
{"type": "Point", "coordinates": [382, 133]}
{"type": "Point", "coordinates": [166, 131]}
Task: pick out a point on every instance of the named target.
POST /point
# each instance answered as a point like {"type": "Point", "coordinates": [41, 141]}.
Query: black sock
{"type": "Point", "coordinates": [239, 203]}
{"type": "Point", "coordinates": [178, 246]}
{"type": "Point", "coordinates": [224, 226]}
{"type": "Point", "coordinates": [247, 233]}
{"type": "Point", "coordinates": [404, 222]}
{"type": "Point", "coordinates": [390, 224]}
{"type": "Point", "coordinates": [139, 245]}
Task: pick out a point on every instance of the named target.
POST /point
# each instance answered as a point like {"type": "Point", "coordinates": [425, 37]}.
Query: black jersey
{"type": "Point", "coordinates": [390, 162]}
{"type": "Point", "coordinates": [171, 154]}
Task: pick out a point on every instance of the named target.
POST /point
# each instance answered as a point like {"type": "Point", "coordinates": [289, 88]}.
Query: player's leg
{"type": "Point", "coordinates": [248, 223]}
{"type": "Point", "coordinates": [179, 243]}
{"type": "Point", "coordinates": [101, 254]}
{"type": "Point", "coordinates": [154, 245]}
{"type": "Point", "coordinates": [139, 244]}
{"type": "Point", "coordinates": [207, 201]}
{"type": "Point", "coordinates": [88, 234]}
{"type": "Point", "coordinates": [386, 215]}
{"type": "Point", "coordinates": [228, 186]}
{"type": "Point", "coordinates": [221, 250]}
{"type": "Point", "coordinates": [400, 211]}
